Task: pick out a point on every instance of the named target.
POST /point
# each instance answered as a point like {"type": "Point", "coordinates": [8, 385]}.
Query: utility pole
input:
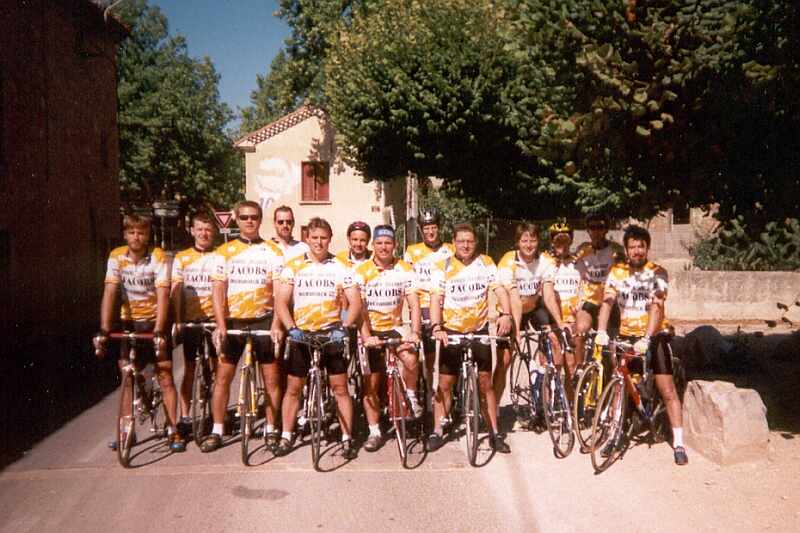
{"type": "Point", "coordinates": [412, 191]}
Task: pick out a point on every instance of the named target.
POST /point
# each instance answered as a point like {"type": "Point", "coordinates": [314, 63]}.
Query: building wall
{"type": "Point", "coordinates": [274, 178]}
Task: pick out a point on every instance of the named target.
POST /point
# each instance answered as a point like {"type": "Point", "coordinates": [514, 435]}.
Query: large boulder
{"type": "Point", "coordinates": [724, 423]}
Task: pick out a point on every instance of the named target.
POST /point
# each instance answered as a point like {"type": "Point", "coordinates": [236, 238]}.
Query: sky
{"type": "Point", "coordinates": [240, 36]}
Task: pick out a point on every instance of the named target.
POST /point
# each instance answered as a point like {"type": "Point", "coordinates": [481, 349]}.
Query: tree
{"type": "Point", "coordinates": [172, 138]}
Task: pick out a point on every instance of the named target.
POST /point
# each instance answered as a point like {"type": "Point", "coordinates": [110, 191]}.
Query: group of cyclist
{"type": "Point", "coordinates": [297, 288]}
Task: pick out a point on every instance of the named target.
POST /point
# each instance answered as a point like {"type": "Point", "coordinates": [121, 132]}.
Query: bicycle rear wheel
{"type": "Point", "coordinates": [247, 411]}
{"type": "Point", "coordinates": [201, 400]}
{"type": "Point", "coordinates": [398, 409]}
{"type": "Point", "coordinates": [587, 394]}
{"type": "Point", "coordinates": [472, 411]}
{"type": "Point", "coordinates": [557, 414]}
{"type": "Point", "coordinates": [126, 424]}
{"type": "Point", "coordinates": [608, 425]}
{"type": "Point", "coordinates": [316, 417]}
{"type": "Point", "coordinates": [519, 387]}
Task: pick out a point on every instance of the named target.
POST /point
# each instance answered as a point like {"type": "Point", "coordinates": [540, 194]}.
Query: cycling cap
{"type": "Point", "coordinates": [429, 216]}
{"type": "Point", "coordinates": [359, 226]}
{"type": "Point", "coordinates": [559, 226]}
{"type": "Point", "coordinates": [384, 231]}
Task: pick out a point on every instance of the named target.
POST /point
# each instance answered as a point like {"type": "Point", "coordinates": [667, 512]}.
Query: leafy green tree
{"type": "Point", "coordinates": [172, 137]}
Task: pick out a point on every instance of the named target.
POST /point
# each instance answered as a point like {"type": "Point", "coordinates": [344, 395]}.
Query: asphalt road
{"type": "Point", "coordinates": [72, 482]}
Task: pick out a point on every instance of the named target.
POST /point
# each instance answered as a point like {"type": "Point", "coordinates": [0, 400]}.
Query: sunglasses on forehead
{"type": "Point", "coordinates": [248, 217]}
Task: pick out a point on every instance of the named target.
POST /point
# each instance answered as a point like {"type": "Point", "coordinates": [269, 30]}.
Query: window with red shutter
{"type": "Point", "coordinates": [316, 181]}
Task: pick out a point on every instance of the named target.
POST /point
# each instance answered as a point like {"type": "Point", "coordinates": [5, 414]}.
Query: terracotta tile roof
{"type": "Point", "coordinates": [249, 141]}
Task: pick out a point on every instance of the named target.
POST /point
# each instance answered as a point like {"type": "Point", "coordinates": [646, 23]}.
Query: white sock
{"type": "Point", "coordinates": [677, 437]}
{"type": "Point", "coordinates": [270, 428]}
{"type": "Point", "coordinates": [412, 395]}
{"type": "Point", "coordinates": [286, 435]}
{"type": "Point", "coordinates": [374, 430]}
{"type": "Point", "coordinates": [218, 429]}
{"type": "Point", "coordinates": [345, 437]}
{"type": "Point", "coordinates": [170, 430]}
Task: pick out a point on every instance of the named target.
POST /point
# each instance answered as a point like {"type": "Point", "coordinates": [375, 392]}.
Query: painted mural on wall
{"type": "Point", "coordinates": [275, 178]}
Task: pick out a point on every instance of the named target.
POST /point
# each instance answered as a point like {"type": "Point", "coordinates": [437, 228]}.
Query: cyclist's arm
{"type": "Point", "coordinates": [176, 298]}
{"type": "Point", "coordinates": [605, 312]}
{"type": "Point", "coordinates": [107, 305]}
{"type": "Point", "coordinates": [283, 297]}
{"type": "Point", "coordinates": [516, 307]}
{"type": "Point", "coordinates": [505, 318]}
{"type": "Point", "coordinates": [353, 306]}
{"type": "Point", "coordinates": [551, 302]}
{"type": "Point", "coordinates": [219, 293]}
{"type": "Point", "coordinates": [414, 312]}
{"type": "Point", "coordinates": [162, 309]}
{"type": "Point", "coordinates": [655, 318]}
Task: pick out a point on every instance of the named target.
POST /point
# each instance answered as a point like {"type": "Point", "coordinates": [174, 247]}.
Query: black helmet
{"type": "Point", "coordinates": [428, 216]}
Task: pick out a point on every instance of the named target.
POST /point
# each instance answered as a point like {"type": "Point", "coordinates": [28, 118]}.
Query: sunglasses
{"type": "Point", "coordinates": [285, 222]}
{"type": "Point", "coordinates": [249, 217]}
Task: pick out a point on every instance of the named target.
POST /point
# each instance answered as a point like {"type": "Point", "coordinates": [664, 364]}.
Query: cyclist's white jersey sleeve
{"type": "Point", "coordinates": [633, 291]}
{"type": "Point", "coordinates": [465, 291]}
{"type": "Point", "coordinates": [249, 270]}
{"type": "Point", "coordinates": [512, 271]}
{"type": "Point", "coordinates": [291, 250]}
{"type": "Point", "coordinates": [316, 290]}
{"type": "Point", "coordinates": [422, 258]}
{"type": "Point", "coordinates": [138, 281]}
{"type": "Point", "coordinates": [383, 292]}
{"type": "Point", "coordinates": [192, 269]}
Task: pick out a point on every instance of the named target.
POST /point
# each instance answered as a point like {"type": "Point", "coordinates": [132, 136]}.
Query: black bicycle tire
{"type": "Point", "coordinates": [582, 415]}
{"type": "Point", "coordinates": [245, 414]}
{"type": "Point", "coordinates": [398, 408]}
{"type": "Point", "coordinates": [472, 411]}
{"type": "Point", "coordinates": [316, 417]}
{"type": "Point", "coordinates": [125, 441]}
{"type": "Point", "coordinates": [201, 401]}
{"type": "Point", "coordinates": [554, 396]}
{"type": "Point", "coordinates": [599, 463]}
{"type": "Point", "coordinates": [519, 387]}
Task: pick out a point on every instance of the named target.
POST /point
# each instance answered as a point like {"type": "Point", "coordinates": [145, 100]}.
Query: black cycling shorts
{"type": "Point", "coordinates": [594, 311]}
{"type": "Point", "coordinates": [660, 359]}
{"type": "Point", "coordinates": [299, 362]}
{"type": "Point", "coordinates": [537, 318]}
{"type": "Point", "coordinates": [145, 351]}
{"type": "Point", "coordinates": [193, 340]}
{"type": "Point", "coordinates": [262, 346]}
{"type": "Point", "coordinates": [376, 356]}
{"type": "Point", "coordinates": [450, 356]}
{"type": "Point", "coordinates": [428, 343]}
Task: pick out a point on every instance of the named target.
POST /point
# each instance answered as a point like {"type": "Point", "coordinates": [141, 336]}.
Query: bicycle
{"type": "Point", "coordinates": [203, 384]}
{"type": "Point", "coordinates": [615, 424]}
{"type": "Point", "coordinates": [146, 400]}
{"type": "Point", "coordinates": [252, 395]}
{"type": "Point", "coordinates": [588, 388]}
{"type": "Point", "coordinates": [318, 402]}
{"type": "Point", "coordinates": [555, 407]}
{"type": "Point", "coordinates": [468, 393]}
{"type": "Point", "coordinates": [525, 378]}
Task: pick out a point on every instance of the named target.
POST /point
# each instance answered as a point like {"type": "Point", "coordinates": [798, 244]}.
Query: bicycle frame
{"type": "Point", "coordinates": [203, 381]}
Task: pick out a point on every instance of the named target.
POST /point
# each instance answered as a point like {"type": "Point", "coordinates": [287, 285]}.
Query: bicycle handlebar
{"type": "Point", "coordinates": [199, 325]}
{"type": "Point", "coordinates": [466, 338]}
{"type": "Point", "coordinates": [250, 332]}
{"type": "Point", "coordinates": [131, 335]}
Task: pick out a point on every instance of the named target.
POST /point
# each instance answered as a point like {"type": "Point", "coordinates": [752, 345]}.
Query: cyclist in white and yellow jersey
{"type": "Point", "coordinates": [594, 261]}
{"type": "Point", "coordinates": [242, 294]}
{"type": "Point", "coordinates": [567, 284]}
{"type": "Point", "coordinates": [358, 236]}
{"type": "Point", "coordinates": [529, 280]}
{"type": "Point", "coordinates": [460, 304]}
{"type": "Point", "coordinates": [283, 220]}
{"type": "Point", "coordinates": [386, 282]}
{"type": "Point", "coordinates": [640, 288]}
{"type": "Point", "coordinates": [422, 256]}
{"type": "Point", "coordinates": [140, 275]}
{"type": "Point", "coordinates": [191, 302]}
{"type": "Point", "coordinates": [308, 301]}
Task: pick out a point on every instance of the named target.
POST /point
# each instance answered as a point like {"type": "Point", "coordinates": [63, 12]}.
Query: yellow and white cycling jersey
{"type": "Point", "coordinates": [291, 250]}
{"type": "Point", "coordinates": [249, 269]}
{"type": "Point", "coordinates": [594, 266]}
{"type": "Point", "coordinates": [528, 278]}
{"type": "Point", "coordinates": [138, 281]}
{"type": "Point", "coordinates": [465, 291]}
{"type": "Point", "coordinates": [384, 290]}
{"type": "Point", "coordinates": [352, 263]}
{"type": "Point", "coordinates": [634, 290]}
{"type": "Point", "coordinates": [567, 284]}
{"type": "Point", "coordinates": [193, 269]}
{"type": "Point", "coordinates": [316, 290]}
{"type": "Point", "coordinates": [422, 258]}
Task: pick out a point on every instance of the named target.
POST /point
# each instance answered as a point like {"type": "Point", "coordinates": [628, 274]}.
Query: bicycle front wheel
{"type": "Point", "coordinates": [201, 401]}
{"type": "Point", "coordinates": [126, 424]}
{"type": "Point", "coordinates": [587, 394]}
{"type": "Point", "coordinates": [316, 417]}
{"type": "Point", "coordinates": [398, 409]}
{"type": "Point", "coordinates": [247, 411]}
{"type": "Point", "coordinates": [607, 426]}
{"type": "Point", "coordinates": [472, 409]}
{"type": "Point", "coordinates": [558, 414]}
